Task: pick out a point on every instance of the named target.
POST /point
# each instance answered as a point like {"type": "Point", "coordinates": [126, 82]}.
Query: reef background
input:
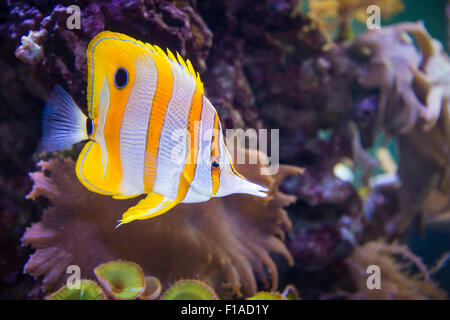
{"type": "Point", "coordinates": [265, 64]}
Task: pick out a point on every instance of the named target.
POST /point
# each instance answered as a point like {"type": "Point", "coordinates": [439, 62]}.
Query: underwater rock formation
{"type": "Point", "coordinates": [265, 64]}
{"type": "Point", "coordinates": [25, 87]}
{"type": "Point", "coordinates": [254, 62]}
{"type": "Point", "coordinates": [397, 280]}
{"type": "Point", "coordinates": [223, 241]}
{"type": "Point", "coordinates": [327, 220]}
{"type": "Point", "coordinates": [273, 70]}
{"type": "Point", "coordinates": [173, 25]}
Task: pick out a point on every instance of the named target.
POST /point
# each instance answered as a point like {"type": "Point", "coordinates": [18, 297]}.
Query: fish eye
{"type": "Point", "coordinates": [215, 165]}
{"type": "Point", "coordinates": [120, 78]}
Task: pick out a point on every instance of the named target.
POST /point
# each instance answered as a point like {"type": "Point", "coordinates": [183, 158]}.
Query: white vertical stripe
{"type": "Point", "coordinates": [201, 187]}
{"type": "Point", "coordinates": [173, 139]}
{"type": "Point", "coordinates": [133, 130]}
{"type": "Point", "coordinates": [103, 103]}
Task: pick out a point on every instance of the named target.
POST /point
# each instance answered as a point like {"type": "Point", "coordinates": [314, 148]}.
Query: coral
{"type": "Point", "coordinates": [189, 290]}
{"type": "Point", "coordinates": [31, 51]}
{"type": "Point", "coordinates": [267, 296]}
{"type": "Point", "coordinates": [161, 22]}
{"type": "Point", "coordinates": [315, 246]}
{"type": "Point", "coordinates": [152, 289]}
{"type": "Point", "coordinates": [264, 64]}
{"type": "Point", "coordinates": [382, 213]}
{"type": "Point", "coordinates": [222, 241]}
{"type": "Point", "coordinates": [24, 88]}
{"type": "Point", "coordinates": [327, 218]}
{"type": "Point", "coordinates": [411, 89]}
{"type": "Point", "coordinates": [186, 289]}
{"type": "Point", "coordinates": [397, 283]}
{"type": "Point", "coordinates": [22, 19]}
{"type": "Point", "coordinates": [276, 70]}
{"type": "Point", "coordinates": [121, 279]}
{"type": "Point", "coordinates": [413, 105]}
{"type": "Point", "coordinates": [388, 57]}
{"type": "Point", "coordinates": [429, 142]}
{"type": "Point", "coordinates": [19, 132]}
{"type": "Point", "coordinates": [88, 290]}
{"type": "Point", "coordinates": [291, 293]}
{"type": "Point", "coordinates": [326, 229]}
{"type": "Point", "coordinates": [253, 64]}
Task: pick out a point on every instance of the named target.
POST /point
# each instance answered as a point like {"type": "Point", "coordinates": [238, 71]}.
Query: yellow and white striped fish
{"type": "Point", "coordinates": [150, 130]}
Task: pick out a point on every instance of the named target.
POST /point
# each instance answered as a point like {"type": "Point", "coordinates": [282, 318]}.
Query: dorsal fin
{"type": "Point", "coordinates": [187, 65]}
{"type": "Point", "coordinates": [174, 58]}
{"type": "Point", "coordinates": [171, 56]}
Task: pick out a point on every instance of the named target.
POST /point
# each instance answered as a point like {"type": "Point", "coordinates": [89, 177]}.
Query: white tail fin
{"type": "Point", "coordinates": [63, 123]}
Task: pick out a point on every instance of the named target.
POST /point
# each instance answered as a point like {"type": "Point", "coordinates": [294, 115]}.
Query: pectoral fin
{"type": "Point", "coordinates": [153, 205]}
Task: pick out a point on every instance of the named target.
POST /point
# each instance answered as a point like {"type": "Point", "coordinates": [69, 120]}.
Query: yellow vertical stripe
{"type": "Point", "coordinates": [113, 122]}
{"type": "Point", "coordinates": [161, 99]}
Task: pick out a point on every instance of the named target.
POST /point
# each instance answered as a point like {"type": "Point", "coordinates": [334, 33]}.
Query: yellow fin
{"type": "Point", "coordinates": [123, 197]}
{"type": "Point", "coordinates": [111, 49]}
{"type": "Point", "coordinates": [171, 56]}
{"type": "Point", "coordinates": [181, 61]}
{"type": "Point", "coordinates": [153, 205]}
{"type": "Point", "coordinates": [151, 47]}
{"type": "Point", "coordinates": [190, 67]}
{"type": "Point", "coordinates": [90, 170]}
{"type": "Point", "coordinates": [160, 51]}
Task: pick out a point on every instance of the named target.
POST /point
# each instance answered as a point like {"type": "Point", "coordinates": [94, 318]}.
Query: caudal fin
{"type": "Point", "coordinates": [63, 123]}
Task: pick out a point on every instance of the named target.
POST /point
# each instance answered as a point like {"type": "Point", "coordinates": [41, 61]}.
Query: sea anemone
{"type": "Point", "coordinates": [87, 290]}
{"type": "Point", "coordinates": [413, 106]}
{"type": "Point", "coordinates": [396, 263]}
{"type": "Point", "coordinates": [122, 280]}
{"type": "Point", "coordinates": [189, 290]}
{"type": "Point", "coordinates": [152, 289]}
{"type": "Point", "coordinates": [267, 296]}
{"type": "Point", "coordinates": [224, 241]}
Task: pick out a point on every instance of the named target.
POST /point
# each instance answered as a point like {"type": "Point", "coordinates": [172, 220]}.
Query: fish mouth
{"type": "Point", "coordinates": [248, 187]}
